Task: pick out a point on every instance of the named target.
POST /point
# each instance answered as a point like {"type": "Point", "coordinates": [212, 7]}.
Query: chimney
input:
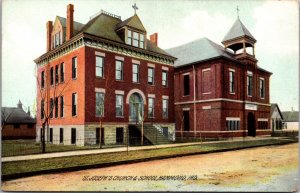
{"type": "Point", "coordinates": [20, 105]}
{"type": "Point", "coordinates": [49, 27]}
{"type": "Point", "coordinates": [70, 10]}
{"type": "Point", "coordinates": [154, 38]}
{"type": "Point", "coordinates": [28, 111]}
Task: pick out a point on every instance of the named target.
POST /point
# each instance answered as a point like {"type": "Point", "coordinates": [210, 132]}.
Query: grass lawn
{"type": "Point", "coordinates": [18, 167]}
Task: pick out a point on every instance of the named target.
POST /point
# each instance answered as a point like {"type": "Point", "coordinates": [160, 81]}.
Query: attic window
{"type": "Point", "coordinates": [135, 39]}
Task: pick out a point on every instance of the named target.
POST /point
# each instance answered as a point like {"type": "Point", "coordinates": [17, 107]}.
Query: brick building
{"type": "Point", "coordinates": [16, 123]}
{"type": "Point", "coordinates": [104, 71]}
{"type": "Point", "coordinates": [221, 91]}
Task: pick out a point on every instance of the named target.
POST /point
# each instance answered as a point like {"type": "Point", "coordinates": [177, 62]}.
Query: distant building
{"type": "Point", "coordinates": [291, 120]}
{"type": "Point", "coordinates": [16, 123]}
{"type": "Point", "coordinates": [276, 117]}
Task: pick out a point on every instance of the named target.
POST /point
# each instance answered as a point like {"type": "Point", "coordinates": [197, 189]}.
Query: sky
{"type": "Point", "coordinates": [274, 24]}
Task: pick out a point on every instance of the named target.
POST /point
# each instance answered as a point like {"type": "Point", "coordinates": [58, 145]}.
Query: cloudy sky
{"type": "Point", "coordinates": [273, 23]}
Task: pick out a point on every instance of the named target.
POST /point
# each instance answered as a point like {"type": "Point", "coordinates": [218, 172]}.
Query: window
{"type": "Point", "coordinates": [99, 104]}
{"type": "Point", "coordinates": [74, 67]}
{"type": "Point", "coordinates": [129, 37]}
{"type": "Point", "coordinates": [119, 105]}
{"type": "Point", "coordinates": [233, 124]}
{"type": "Point", "coordinates": [231, 82]}
{"type": "Point", "coordinates": [263, 124]}
{"type": "Point", "coordinates": [56, 107]}
{"type": "Point", "coordinates": [16, 126]}
{"type": "Point", "coordinates": [56, 74]}
{"type": "Point", "coordinates": [151, 76]}
{"type": "Point", "coordinates": [135, 39]}
{"type": "Point", "coordinates": [42, 79]}
{"type": "Point", "coordinates": [42, 109]}
{"type": "Point", "coordinates": [61, 106]}
{"type": "Point", "coordinates": [51, 135]}
{"type": "Point", "coordinates": [120, 135]}
{"type": "Point", "coordinates": [186, 84]}
{"type": "Point", "coordinates": [99, 66]}
{"type": "Point", "coordinates": [61, 135]}
{"type": "Point", "coordinates": [150, 107]}
{"type": "Point", "coordinates": [142, 41]}
{"type": "Point", "coordinates": [74, 104]}
{"type": "Point", "coordinates": [165, 108]}
{"type": "Point", "coordinates": [62, 72]}
{"type": "Point", "coordinates": [186, 120]}
{"type": "Point", "coordinates": [30, 125]}
{"type": "Point", "coordinates": [164, 78]}
{"type": "Point", "coordinates": [119, 70]}
{"type": "Point", "coordinates": [73, 136]}
{"type": "Point", "coordinates": [135, 73]}
{"type": "Point", "coordinates": [51, 76]}
{"type": "Point", "coordinates": [262, 88]}
{"type": "Point", "coordinates": [51, 107]}
{"type": "Point", "coordinates": [249, 84]}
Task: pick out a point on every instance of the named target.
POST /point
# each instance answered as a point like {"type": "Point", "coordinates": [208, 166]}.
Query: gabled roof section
{"type": "Point", "coordinates": [237, 30]}
{"type": "Point", "coordinates": [197, 51]}
{"type": "Point", "coordinates": [133, 22]}
{"type": "Point", "coordinates": [11, 115]}
{"type": "Point", "coordinates": [273, 107]}
{"type": "Point", "coordinates": [77, 26]}
{"type": "Point", "coordinates": [291, 116]}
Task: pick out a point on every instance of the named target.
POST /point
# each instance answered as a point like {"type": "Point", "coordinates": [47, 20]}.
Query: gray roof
{"type": "Point", "coordinates": [237, 30]}
{"type": "Point", "coordinates": [11, 115]}
{"type": "Point", "coordinates": [77, 26]}
{"type": "Point", "coordinates": [133, 22]}
{"type": "Point", "coordinates": [291, 116]}
{"type": "Point", "coordinates": [273, 106]}
{"type": "Point", "coordinates": [197, 51]}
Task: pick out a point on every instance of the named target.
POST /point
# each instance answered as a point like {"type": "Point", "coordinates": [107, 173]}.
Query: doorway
{"type": "Point", "coordinates": [120, 135]}
{"type": "Point", "coordinates": [251, 125]}
{"type": "Point", "coordinates": [186, 120]}
{"type": "Point", "coordinates": [98, 135]}
{"type": "Point", "coordinates": [136, 105]}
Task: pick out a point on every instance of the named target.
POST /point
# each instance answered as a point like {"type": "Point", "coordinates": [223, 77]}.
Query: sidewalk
{"type": "Point", "coordinates": [124, 149]}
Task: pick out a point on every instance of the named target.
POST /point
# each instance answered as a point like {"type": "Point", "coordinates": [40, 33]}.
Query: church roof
{"type": "Point", "coordinates": [133, 22]}
{"type": "Point", "coordinates": [237, 30]}
{"type": "Point", "coordinates": [197, 51]}
{"type": "Point", "coordinates": [11, 115]}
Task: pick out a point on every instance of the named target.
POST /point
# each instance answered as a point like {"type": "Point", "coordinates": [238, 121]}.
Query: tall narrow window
{"type": "Point", "coordinates": [165, 78]}
{"type": "Point", "coordinates": [262, 88]}
{"type": "Point", "coordinates": [51, 107]}
{"type": "Point", "coordinates": [61, 106]}
{"type": "Point", "coordinates": [62, 72]}
{"type": "Point", "coordinates": [249, 84]}
{"type": "Point", "coordinates": [231, 81]}
{"type": "Point", "coordinates": [74, 104]}
{"type": "Point", "coordinates": [56, 74]}
{"type": "Point", "coordinates": [61, 135]}
{"type": "Point", "coordinates": [74, 67]}
{"type": "Point", "coordinates": [186, 84]}
{"type": "Point", "coordinates": [119, 105]}
{"type": "Point", "coordinates": [43, 79]}
{"type": "Point", "coordinates": [99, 66]}
{"type": "Point", "coordinates": [119, 70]}
{"type": "Point", "coordinates": [99, 104]}
{"type": "Point", "coordinates": [135, 73]}
{"type": "Point", "coordinates": [135, 39]}
{"type": "Point", "coordinates": [150, 107]}
{"type": "Point", "coordinates": [129, 37]}
{"type": "Point", "coordinates": [42, 109]}
{"type": "Point", "coordinates": [142, 41]}
{"type": "Point", "coordinates": [165, 108]}
{"type": "Point", "coordinates": [56, 107]}
{"type": "Point", "coordinates": [51, 76]}
{"type": "Point", "coordinates": [151, 76]}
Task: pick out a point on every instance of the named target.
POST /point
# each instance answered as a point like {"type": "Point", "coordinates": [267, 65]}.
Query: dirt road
{"type": "Point", "coordinates": [272, 168]}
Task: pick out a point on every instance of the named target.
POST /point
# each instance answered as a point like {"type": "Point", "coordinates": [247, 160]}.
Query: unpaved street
{"type": "Point", "coordinates": [272, 168]}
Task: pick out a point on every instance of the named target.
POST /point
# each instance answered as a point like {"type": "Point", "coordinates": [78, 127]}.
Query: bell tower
{"type": "Point", "coordinates": [240, 41]}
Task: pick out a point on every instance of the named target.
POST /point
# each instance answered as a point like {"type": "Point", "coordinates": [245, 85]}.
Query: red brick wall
{"type": "Point", "coordinates": [24, 132]}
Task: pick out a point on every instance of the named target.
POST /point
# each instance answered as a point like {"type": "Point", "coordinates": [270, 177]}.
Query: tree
{"type": "Point", "coordinates": [5, 114]}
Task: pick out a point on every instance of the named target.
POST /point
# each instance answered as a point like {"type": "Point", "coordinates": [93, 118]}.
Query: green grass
{"type": "Point", "coordinates": [18, 167]}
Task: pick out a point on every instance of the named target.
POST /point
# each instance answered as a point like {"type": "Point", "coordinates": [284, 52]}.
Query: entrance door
{"type": "Point", "coordinates": [136, 107]}
{"type": "Point", "coordinates": [186, 120]}
{"type": "Point", "coordinates": [73, 136]}
{"type": "Point", "coordinates": [251, 125]}
{"type": "Point", "coordinates": [98, 135]}
{"type": "Point", "coordinates": [120, 135]}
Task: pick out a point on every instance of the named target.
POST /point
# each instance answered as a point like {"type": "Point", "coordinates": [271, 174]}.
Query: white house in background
{"type": "Point", "coordinates": [291, 120]}
{"type": "Point", "coordinates": [276, 117]}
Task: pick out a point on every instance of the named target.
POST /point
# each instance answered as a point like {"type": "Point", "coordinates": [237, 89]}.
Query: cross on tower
{"type": "Point", "coordinates": [135, 8]}
{"type": "Point", "coordinates": [237, 11]}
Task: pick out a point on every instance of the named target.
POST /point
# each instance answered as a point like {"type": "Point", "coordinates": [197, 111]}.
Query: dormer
{"type": "Point", "coordinates": [241, 42]}
{"type": "Point", "coordinates": [133, 32]}
{"type": "Point", "coordinates": [58, 33]}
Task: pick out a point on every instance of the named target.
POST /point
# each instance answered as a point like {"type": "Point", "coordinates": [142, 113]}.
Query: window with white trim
{"type": "Point", "coordinates": [164, 78]}
{"type": "Point", "coordinates": [129, 37]}
{"type": "Point", "coordinates": [74, 104]}
{"type": "Point", "coordinates": [262, 124]}
{"type": "Point", "coordinates": [99, 104]}
{"type": "Point", "coordinates": [119, 105]}
{"type": "Point", "coordinates": [135, 73]}
{"type": "Point", "coordinates": [62, 72]}
{"type": "Point", "coordinates": [135, 39]}
{"type": "Point", "coordinates": [233, 124]}
{"type": "Point", "coordinates": [249, 84]}
{"type": "Point", "coordinates": [99, 66]}
{"type": "Point", "coordinates": [262, 88]}
{"type": "Point", "coordinates": [119, 70]}
{"type": "Point", "coordinates": [74, 67]}
{"type": "Point", "coordinates": [231, 82]}
{"type": "Point", "coordinates": [150, 76]}
{"type": "Point", "coordinates": [165, 108]}
{"type": "Point", "coordinates": [150, 107]}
